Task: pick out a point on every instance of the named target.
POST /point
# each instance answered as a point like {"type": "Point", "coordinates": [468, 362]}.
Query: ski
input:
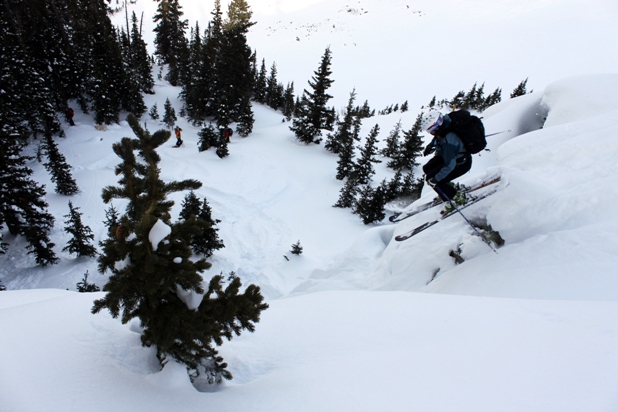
{"type": "Point", "coordinates": [426, 225]}
{"type": "Point", "coordinates": [466, 189]}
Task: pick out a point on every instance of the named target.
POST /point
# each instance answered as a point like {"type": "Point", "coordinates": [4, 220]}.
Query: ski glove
{"type": "Point", "coordinates": [432, 182]}
{"type": "Point", "coordinates": [429, 149]}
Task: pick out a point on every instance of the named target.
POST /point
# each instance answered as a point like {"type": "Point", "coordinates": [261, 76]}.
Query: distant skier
{"type": "Point", "coordinates": [451, 160]}
{"type": "Point", "coordinates": [177, 131]}
{"type": "Point", "coordinates": [69, 114]}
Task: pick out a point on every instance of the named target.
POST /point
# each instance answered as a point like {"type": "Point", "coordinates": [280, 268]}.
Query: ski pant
{"type": "Point", "coordinates": [436, 163]}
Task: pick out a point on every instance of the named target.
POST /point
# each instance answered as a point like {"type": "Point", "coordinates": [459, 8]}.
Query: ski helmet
{"type": "Point", "coordinates": [432, 121]}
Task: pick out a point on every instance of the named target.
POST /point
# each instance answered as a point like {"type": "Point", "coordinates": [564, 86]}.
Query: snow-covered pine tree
{"type": "Point", "coordinates": [222, 148]}
{"type": "Point", "coordinates": [245, 119]}
{"type": "Point", "coordinates": [364, 170]}
{"type": "Point", "coordinates": [370, 204]}
{"type": "Point", "coordinates": [132, 99]}
{"type": "Point", "coordinates": [274, 95]}
{"type": "Point", "coordinates": [82, 236]}
{"type": "Point", "coordinates": [141, 63]}
{"type": "Point", "coordinates": [347, 194]}
{"type": "Point", "coordinates": [191, 205]}
{"type": "Point", "coordinates": [344, 133]}
{"type": "Point", "coordinates": [85, 287]}
{"type": "Point", "coordinates": [313, 115]}
{"type": "Point", "coordinates": [233, 70]}
{"type": "Point", "coordinates": [169, 116]}
{"type": "Point", "coordinates": [171, 46]}
{"type": "Point", "coordinates": [259, 88]}
{"type": "Point", "coordinates": [209, 137]}
{"type": "Point", "coordinates": [289, 102]}
{"type": "Point", "coordinates": [59, 169]}
{"type": "Point", "coordinates": [208, 241]}
{"type": "Point", "coordinates": [23, 208]}
{"type": "Point", "coordinates": [297, 249]}
{"type": "Point", "coordinates": [112, 221]}
{"type": "Point", "coordinates": [154, 112]}
{"type": "Point", "coordinates": [392, 142]}
{"type": "Point", "coordinates": [410, 149]}
{"type": "Point", "coordinates": [157, 268]}
{"type": "Point", "coordinates": [520, 90]}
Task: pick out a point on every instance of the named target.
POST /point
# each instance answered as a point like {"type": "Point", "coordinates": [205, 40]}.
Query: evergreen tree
{"type": "Point", "coordinates": [84, 287]}
{"type": "Point", "coordinates": [140, 61]}
{"type": "Point", "coordinates": [169, 117]}
{"type": "Point", "coordinates": [132, 99]}
{"type": "Point", "coordinates": [274, 97]}
{"type": "Point", "coordinates": [154, 112]}
{"type": "Point", "coordinates": [59, 169]}
{"type": "Point", "coordinates": [191, 206]}
{"type": "Point", "coordinates": [495, 97]}
{"type": "Point", "coordinates": [222, 149]}
{"type": "Point", "coordinates": [404, 107]}
{"type": "Point", "coordinates": [520, 90]}
{"type": "Point", "coordinates": [313, 115]}
{"type": "Point", "coordinates": [344, 135]}
{"type": "Point", "coordinates": [364, 168]}
{"type": "Point", "coordinates": [411, 148]}
{"type": "Point", "coordinates": [112, 221]}
{"type": "Point", "coordinates": [392, 142]}
{"type": "Point", "coordinates": [245, 118]}
{"type": "Point", "coordinates": [82, 235]}
{"type": "Point", "coordinates": [345, 164]}
{"type": "Point", "coordinates": [259, 89]}
{"type": "Point", "coordinates": [233, 70]}
{"type": "Point", "coordinates": [297, 249]}
{"type": "Point", "coordinates": [347, 194]}
{"type": "Point", "coordinates": [23, 208]}
{"type": "Point", "coordinates": [209, 241]}
{"type": "Point", "coordinates": [458, 101]}
{"type": "Point", "coordinates": [171, 46]}
{"type": "Point", "coordinates": [158, 270]}
{"type": "Point", "coordinates": [289, 103]}
{"type": "Point", "coordinates": [370, 205]}
{"type": "Point", "coordinates": [208, 138]}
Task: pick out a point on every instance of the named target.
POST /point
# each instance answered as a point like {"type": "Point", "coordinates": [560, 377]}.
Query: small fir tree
{"type": "Point", "coordinates": [289, 103]}
{"type": "Point", "coordinates": [392, 142]}
{"type": "Point", "coordinates": [157, 268]}
{"type": "Point", "coordinates": [82, 235]}
{"type": "Point", "coordinates": [297, 249]}
{"type": "Point", "coordinates": [84, 287]}
{"type": "Point", "coordinates": [520, 90]}
{"type": "Point", "coordinates": [206, 243]}
{"type": "Point", "coordinates": [370, 205]}
{"type": "Point", "coordinates": [154, 112]}
{"type": "Point", "coordinates": [23, 208]}
{"type": "Point", "coordinates": [347, 194]}
{"type": "Point", "coordinates": [208, 137]}
{"type": "Point", "coordinates": [59, 169]}
{"type": "Point", "coordinates": [169, 117]}
{"type": "Point", "coordinates": [364, 169]}
{"type": "Point", "coordinates": [313, 114]}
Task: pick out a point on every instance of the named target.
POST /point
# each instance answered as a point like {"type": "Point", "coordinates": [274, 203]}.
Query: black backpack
{"type": "Point", "coordinates": [470, 130]}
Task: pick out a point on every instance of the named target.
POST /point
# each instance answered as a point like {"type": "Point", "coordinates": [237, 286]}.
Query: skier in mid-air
{"type": "Point", "coordinates": [451, 159]}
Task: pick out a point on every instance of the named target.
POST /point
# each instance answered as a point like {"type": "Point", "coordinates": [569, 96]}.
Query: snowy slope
{"type": "Point", "coordinates": [360, 322]}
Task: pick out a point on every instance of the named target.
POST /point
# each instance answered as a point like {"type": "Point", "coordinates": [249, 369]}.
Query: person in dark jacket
{"type": "Point", "coordinates": [451, 160]}
{"type": "Point", "coordinates": [69, 114]}
{"type": "Point", "coordinates": [178, 131]}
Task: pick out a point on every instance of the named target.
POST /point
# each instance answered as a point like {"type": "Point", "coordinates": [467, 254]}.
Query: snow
{"type": "Point", "coordinates": [158, 232]}
{"type": "Point", "coordinates": [359, 322]}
